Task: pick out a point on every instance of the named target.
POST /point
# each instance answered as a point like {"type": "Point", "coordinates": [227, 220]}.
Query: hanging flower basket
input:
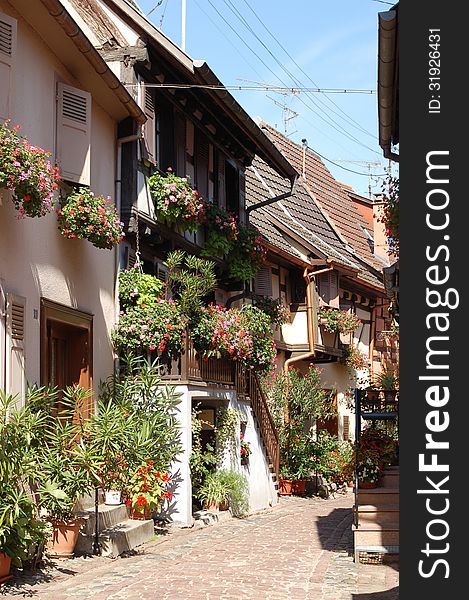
{"type": "Point", "coordinates": [176, 201]}
{"type": "Point", "coordinates": [340, 321]}
{"type": "Point", "coordinates": [90, 217]}
{"type": "Point", "coordinates": [28, 173]}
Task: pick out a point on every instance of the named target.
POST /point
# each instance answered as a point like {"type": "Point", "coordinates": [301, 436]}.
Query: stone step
{"type": "Point", "coordinates": [390, 478]}
{"type": "Point", "coordinates": [120, 537]}
{"type": "Point", "coordinates": [107, 517]}
{"type": "Point", "coordinates": [379, 496]}
{"type": "Point", "coordinates": [383, 515]}
{"type": "Point", "coordinates": [373, 534]}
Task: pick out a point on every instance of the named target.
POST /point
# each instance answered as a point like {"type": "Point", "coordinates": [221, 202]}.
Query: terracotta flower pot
{"type": "Point", "coordinates": [367, 485]}
{"type": "Point", "coordinates": [286, 487]}
{"type": "Point", "coordinates": [299, 486]}
{"type": "Point", "coordinates": [5, 564]}
{"type": "Point", "coordinates": [137, 515]}
{"type": "Point", "coordinates": [64, 538]}
{"type": "Point", "coordinates": [212, 506]}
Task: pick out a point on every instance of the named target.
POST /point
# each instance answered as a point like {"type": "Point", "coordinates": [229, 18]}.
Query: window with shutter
{"type": "Point", "coordinates": [345, 427]}
{"type": "Point", "coordinates": [263, 282]}
{"type": "Point", "coordinates": [201, 163]}
{"type": "Point", "coordinates": [329, 288]}
{"type": "Point", "coordinates": [149, 127]}
{"type": "Point", "coordinates": [7, 55]}
{"type": "Point", "coordinates": [73, 133]}
{"type": "Point", "coordinates": [15, 377]}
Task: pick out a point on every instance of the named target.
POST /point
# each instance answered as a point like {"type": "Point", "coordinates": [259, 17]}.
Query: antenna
{"type": "Point", "coordinates": [287, 113]}
{"type": "Point", "coordinates": [364, 163]}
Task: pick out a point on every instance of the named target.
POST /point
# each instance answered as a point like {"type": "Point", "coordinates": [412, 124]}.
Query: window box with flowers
{"type": "Point", "coordinates": [94, 218]}
{"type": "Point", "coordinates": [176, 201]}
{"type": "Point", "coordinates": [27, 172]}
{"type": "Point", "coordinates": [245, 450]}
{"type": "Point", "coordinates": [277, 312]}
{"type": "Point", "coordinates": [159, 326]}
{"type": "Point", "coordinates": [340, 321]}
{"type": "Point", "coordinates": [242, 335]}
{"type": "Point", "coordinates": [354, 359]}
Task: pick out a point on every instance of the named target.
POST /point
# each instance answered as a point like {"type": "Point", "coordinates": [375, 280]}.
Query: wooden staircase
{"type": "Point", "coordinates": [376, 517]}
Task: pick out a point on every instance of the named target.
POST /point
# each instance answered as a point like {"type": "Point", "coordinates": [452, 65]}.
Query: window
{"type": "Point", "coordinates": [231, 188]}
{"type": "Point", "coordinates": [66, 347]}
{"type": "Point", "coordinates": [328, 284]}
{"type": "Point", "coordinates": [73, 133]}
{"type": "Point", "coordinates": [7, 56]}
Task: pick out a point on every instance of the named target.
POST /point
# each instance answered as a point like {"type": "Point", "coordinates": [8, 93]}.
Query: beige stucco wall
{"type": "Point", "coordinates": [35, 260]}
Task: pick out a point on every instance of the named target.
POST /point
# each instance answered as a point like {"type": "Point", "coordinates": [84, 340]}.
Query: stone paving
{"type": "Point", "coordinates": [298, 550]}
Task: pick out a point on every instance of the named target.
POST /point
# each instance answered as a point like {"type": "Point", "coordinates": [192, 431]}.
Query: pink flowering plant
{"type": "Point", "coordinates": [248, 254]}
{"type": "Point", "coordinates": [176, 201]}
{"type": "Point", "coordinates": [274, 308]}
{"type": "Point", "coordinates": [159, 326]}
{"type": "Point", "coordinates": [242, 335]}
{"type": "Point", "coordinates": [27, 171]}
{"type": "Point", "coordinates": [222, 231]}
{"type": "Point", "coordinates": [341, 321]}
{"type": "Point", "coordinates": [94, 218]}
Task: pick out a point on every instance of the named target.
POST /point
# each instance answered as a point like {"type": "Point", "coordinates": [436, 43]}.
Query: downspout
{"type": "Point", "coordinates": [249, 209]}
{"type": "Point", "coordinates": [118, 195]}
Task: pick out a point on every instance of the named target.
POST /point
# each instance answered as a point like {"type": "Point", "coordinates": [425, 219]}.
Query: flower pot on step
{"type": "Point", "coordinates": [112, 497]}
{"type": "Point", "coordinates": [299, 486]}
{"type": "Point", "coordinates": [64, 538]}
{"type": "Point", "coordinates": [5, 564]}
{"type": "Point", "coordinates": [137, 515]}
{"type": "Point", "coordinates": [367, 485]}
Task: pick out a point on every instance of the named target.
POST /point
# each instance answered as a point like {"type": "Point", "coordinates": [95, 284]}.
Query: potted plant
{"type": "Point", "coordinates": [69, 470]}
{"type": "Point", "coordinates": [146, 491]}
{"type": "Point", "coordinates": [387, 380]}
{"type": "Point", "coordinates": [245, 450]}
{"type": "Point", "coordinates": [213, 492]}
{"type": "Point", "coordinates": [94, 218]}
{"type": "Point", "coordinates": [222, 489]}
{"type": "Point", "coordinates": [247, 255]}
{"type": "Point", "coordinates": [176, 201]}
{"type": "Point", "coordinates": [222, 231]}
{"type": "Point", "coordinates": [335, 320]}
{"type": "Point", "coordinates": [368, 472]}
{"type": "Point", "coordinates": [28, 173]}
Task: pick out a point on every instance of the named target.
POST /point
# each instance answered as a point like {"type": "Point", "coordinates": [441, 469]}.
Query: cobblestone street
{"type": "Point", "coordinates": [301, 549]}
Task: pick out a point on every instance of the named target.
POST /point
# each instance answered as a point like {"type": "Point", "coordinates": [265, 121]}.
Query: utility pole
{"type": "Point", "coordinates": [183, 26]}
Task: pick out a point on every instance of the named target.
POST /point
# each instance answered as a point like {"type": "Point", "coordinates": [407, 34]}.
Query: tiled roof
{"type": "Point", "coordinates": [330, 196]}
{"type": "Point", "coordinates": [297, 216]}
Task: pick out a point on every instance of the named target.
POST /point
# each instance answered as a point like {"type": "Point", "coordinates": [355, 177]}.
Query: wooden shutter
{"type": "Point", "coordinates": [7, 55]}
{"type": "Point", "coordinates": [149, 127]}
{"type": "Point", "coordinates": [263, 282]}
{"type": "Point", "coordinates": [329, 288]}
{"type": "Point", "coordinates": [15, 345]}
{"type": "Point", "coordinates": [180, 131]}
{"type": "Point", "coordinates": [73, 133]}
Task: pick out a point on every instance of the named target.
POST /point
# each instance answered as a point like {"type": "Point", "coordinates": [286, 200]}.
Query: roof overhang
{"type": "Point", "coordinates": [388, 81]}
{"type": "Point", "coordinates": [60, 32]}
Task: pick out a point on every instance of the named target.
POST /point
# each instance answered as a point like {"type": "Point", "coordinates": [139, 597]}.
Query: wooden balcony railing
{"type": "Point", "coordinates": [189, 367]}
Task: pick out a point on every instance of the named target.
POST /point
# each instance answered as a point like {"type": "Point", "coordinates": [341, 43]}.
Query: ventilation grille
{"type": "Point", "coordinates": [74, 107]}
{"type": "Point", "coordinates": [17, 321]}
{"type": "Point", "coordinates": [6, 38]}
{"type": "Point", "coordinates": [346, 431]}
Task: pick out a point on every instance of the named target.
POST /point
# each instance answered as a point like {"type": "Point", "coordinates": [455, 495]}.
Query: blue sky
{"type": "Point", "coordinates": [318, 43]}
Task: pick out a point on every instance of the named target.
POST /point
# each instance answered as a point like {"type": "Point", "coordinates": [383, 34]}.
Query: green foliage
{"type": "Point", "coordinates": [226, 486]}
{"type": "Point", "coordinates": [190, 280]}
{"type": "Point", "coordinates": [225, 432]}
{"type": "Point", "coordinates": [222, 231]}
{"type": "Point", "coordinates": [340, 321]}
{"type": "Point", "coordinates": [294, 401]}
{"type": "Point", "coordinates": [158, 326]}
{"type": "Point", "coordinates": [247, 255]}
{"type": "Point", "coordinates": [277, 312]}
{"type": "Point", "coordinates": [387, 379]}
{"type": "Point", "coordinates": [390, 216]}
{"type": "Point", "coordinates": [137, 288]}
{"type": "Point", "coordinates": [202, 462]}
{"type": "Point", "coordinates": [176, 201]}
{"type": "Point", "coordinates": [333, 459]}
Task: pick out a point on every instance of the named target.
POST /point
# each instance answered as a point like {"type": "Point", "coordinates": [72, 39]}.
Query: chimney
{"type": "Point", "coordinates": [303, 158]}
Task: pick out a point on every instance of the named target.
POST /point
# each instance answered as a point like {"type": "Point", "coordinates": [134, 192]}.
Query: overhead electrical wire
{"type": "Point", "coordinates": [275, 38]}
{"type": "Point", "coordinates": [335, 126]}
{"type": "Point", "coordinates": [262, 88]}
{"type": "Point", "coordinates": [345, 168]}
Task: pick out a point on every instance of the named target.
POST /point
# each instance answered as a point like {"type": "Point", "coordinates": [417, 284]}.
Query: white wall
{"type": "Point", "coordinates": [35, 260]}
